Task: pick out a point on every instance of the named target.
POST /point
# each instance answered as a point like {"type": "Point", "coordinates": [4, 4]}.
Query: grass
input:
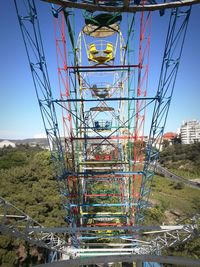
{"type": "Point", "coordinates": [184, 200]}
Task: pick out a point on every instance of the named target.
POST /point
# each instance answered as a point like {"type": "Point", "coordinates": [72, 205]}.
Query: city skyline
{"type": "Point", "coordinates": [20, 116]}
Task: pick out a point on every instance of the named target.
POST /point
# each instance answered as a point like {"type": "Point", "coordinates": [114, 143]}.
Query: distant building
{"type": "Point", "coordinates": [169, 136]}
{"type": "Point", "coordinates": [190, 132]}
{"type": "Point", "coordinates": [7, 143]}
{"type": "Point", "coordinates": [167, 140]}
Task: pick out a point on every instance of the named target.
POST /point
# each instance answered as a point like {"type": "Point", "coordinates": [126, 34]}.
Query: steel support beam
{"type": "Point", "coordinates": [172, 54]}
{"type": "Point", "coordinates": [16, 223]}
{"type": "Point", "coordinates": [30, 29]}
{"type": "Point", "coordinates": [131, 8]}
{"type": "Point", "coordinates": [29, 25]}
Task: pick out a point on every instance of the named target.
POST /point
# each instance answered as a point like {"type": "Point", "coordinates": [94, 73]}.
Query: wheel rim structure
{"type": "Point", "coordinates": [123, 5]}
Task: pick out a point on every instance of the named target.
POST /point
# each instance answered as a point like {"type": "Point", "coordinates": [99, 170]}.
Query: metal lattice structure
{"type": "Point", "coordinates": [105, 168]}
{"type": "Point", "coordinates": [173, 49]}
{"type": "Point", "coordinates": [106, 125]}
{"type": "Point", "coordinates": [123, 5]}
{"type": "Point", "coordinates": [18, 224]}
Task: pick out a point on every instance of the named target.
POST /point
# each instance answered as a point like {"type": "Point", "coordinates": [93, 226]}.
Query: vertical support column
{"type": "Point", "coordinates": [139, 146]}
{"type": "Point", "coordinates": [65, 94]}
{"type": "Point", "coordinates": [29, 25]}
{"type": "Point", "coordinates": [144, 49]}
{"type": "Point", "coordinates": [63, 78]}
{"type": "Point", "coordinates": [173, 50]}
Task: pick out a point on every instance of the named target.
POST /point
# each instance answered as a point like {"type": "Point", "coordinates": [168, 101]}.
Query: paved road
{"type": "Point", "coordinates": [171, 175]}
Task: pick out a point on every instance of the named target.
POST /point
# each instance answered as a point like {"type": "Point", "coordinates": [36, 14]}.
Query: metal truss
{"type": "Point", "coordinates": [141, 105]}
{"type": "Point", "coordinates": [172, 54]}
{"type": "Point", "coordinates": [167, 238]}
{"type": "Point", "coordinates": [150, 239]}
{"type": "Point", "coordinates": [18, 224]}
{"type": "Point", "coordinates": [63, 76]}
{"type": "Point", "coordinates": [98, 146]}
{"type": "Point", "coordinates": [88, 135]}
{"type": "Point", "coordinates": [123, 5]}
{"type": "Point", "coordinates": [29, 25]}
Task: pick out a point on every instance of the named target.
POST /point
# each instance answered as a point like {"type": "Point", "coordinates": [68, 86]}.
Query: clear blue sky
{"type": "Point", "coordinates": [20, 115]}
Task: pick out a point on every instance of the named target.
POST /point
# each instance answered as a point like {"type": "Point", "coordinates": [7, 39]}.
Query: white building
{"type": "Point", "coordinates": [190, 132]}
{"type": "Point", "coordinates": [6, 143]}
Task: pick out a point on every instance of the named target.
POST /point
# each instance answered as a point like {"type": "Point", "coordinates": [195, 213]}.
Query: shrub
{"type": "Point", "coordinates": [179, 186]}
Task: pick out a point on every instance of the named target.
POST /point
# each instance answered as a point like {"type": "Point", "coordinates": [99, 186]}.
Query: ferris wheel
{"type": "Point", "coordinates": [105, 88]}
{"type": "Point", "coordinates": [104, 162]}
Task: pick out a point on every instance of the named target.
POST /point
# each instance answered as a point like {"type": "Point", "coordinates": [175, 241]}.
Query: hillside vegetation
{"type": "Point", "coordinates": [26, 181]}
{"type": "Point", "coordinates": [183, 160]}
